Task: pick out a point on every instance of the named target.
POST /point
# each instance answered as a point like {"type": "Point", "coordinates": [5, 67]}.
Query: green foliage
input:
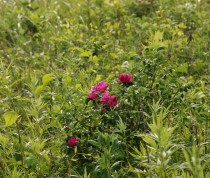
{"type": "Point", "coordinates": [52, 52]}
{"type": "Point", "coordinates": [159, 145]}
{"type": "Point", "coordinates": [10, 118]}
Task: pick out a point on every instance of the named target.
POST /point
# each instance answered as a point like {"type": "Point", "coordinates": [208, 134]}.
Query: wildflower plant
{"type": "Point", "coordinates": [147, 114]}
{"type": "Point", "coordinates": [100, 90]}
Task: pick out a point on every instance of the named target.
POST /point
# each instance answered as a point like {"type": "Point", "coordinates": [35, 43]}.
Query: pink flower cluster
{"type": "Point", "coordinates": [99, 89]}
{"type": "Point", "coordinates": [109, 100]}
{"type": "Point", "coordinates": [96, 90]}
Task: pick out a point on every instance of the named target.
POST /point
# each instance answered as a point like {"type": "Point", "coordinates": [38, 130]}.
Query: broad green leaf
{"type": "Point", "coordinates": [85, 54]}
{"type": "Point", "coordinates": [78, 85]}
{"type": "Point", "coordinates": [47, 78]}
{"type": "Point", "coordinates": [113, 55]}
{"type": "Point", "coordinates": [182, 68]}
{"type": "Point", "coordinates": [104, 46]}
{"type": "Point", "coordinates": [95, 60]}
{"type": "Point", "coordinates": [98, 78]}
{"type": "Point", "coordinates": [39, 89]}
{"type": "Point", "coordinates": [31, 161]}
{"type": "Point", "coordinates": [34, 18]}
{"type": "Point", "coordinates": [107, 67]}
{"type": "Point", "coordinates": [106, 2]}
{"type": "Point", "coordinates": [67, 78]}
{"type": "Point", "coordinates": [4, 139]}
{"type": "Point", "coordinates": [76, 49]}
{"type": "Point", "coordinates": [10, 118]}
{"type": "Point", "coordinates": [158, 36]}
{"type": "Point", "coordinates": [182, 25]}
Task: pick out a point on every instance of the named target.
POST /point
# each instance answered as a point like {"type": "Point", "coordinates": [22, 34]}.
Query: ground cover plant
{"type": "Point", "coordinates": [105, 88]}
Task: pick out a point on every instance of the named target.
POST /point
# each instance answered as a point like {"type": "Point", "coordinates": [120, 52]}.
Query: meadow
{"type": "Point", "coordinates": [105, 88]}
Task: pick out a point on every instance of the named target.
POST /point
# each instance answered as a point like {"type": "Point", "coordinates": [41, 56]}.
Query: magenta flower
{"type": "Point", "coordinates": [95, 90]}
{"type": "Point", "coordinates": [92, 96]}
{"type": "Point", "coordinates": [112, 101]}
{"type": "Point", "coordinates": [72, 141]}
{"type": "Point", "coordinates": [125, 78]}
{"type": "Point", "coordinates": [101, 87]}
{"type": "Point", "coordinates": [105, 97]}
{"type": "Point", "coordinates": [109, 100]}
{"type": "Point", "coordinates": [93, 93]}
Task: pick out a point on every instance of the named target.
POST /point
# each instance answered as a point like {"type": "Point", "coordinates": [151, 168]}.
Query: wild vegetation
{"type": "Point", "coordinates": [105, 88]}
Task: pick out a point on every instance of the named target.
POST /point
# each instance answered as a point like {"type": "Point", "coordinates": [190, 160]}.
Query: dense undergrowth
{"type": "Point", "coordinates": [52, 52]}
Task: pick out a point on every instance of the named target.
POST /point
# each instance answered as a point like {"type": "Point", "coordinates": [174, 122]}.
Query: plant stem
{"type": "Point", "coordinates": [20, 143]}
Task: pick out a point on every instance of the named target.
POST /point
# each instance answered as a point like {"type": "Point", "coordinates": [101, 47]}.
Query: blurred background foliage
{"type": "Point", "coordinates": [52, 52]}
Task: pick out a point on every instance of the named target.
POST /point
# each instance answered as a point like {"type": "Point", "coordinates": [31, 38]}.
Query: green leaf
{"type": "Point", "coordinates": [85, 54]}
{"type": "Point", "coordinates": [95, 60]}
{"type": "Point", "coordinates": [67, 78]}
{"type": "Point", "coordinates": [31, 162]}
{"type": "Point", "coordinates": [4, 139]}
{"type": "Point", "coordinates": [182, 68]}
{"type": "Point", "coordinates": [150, 141]}
{"type": "Point", "coordinates": [39, 89]}
{"type": "Point", "coordinates": [115, 164]}
{"type": "Point", "coordinates": [10, 118]}
{"type": "Point", "coordinates": [113, 55]}
{"type": "Point", "coordinates": [47, 78]}
{"type": "Point", "coordinates": [158, 36]}
{"type": "Point", "coordinates": [94, 143]}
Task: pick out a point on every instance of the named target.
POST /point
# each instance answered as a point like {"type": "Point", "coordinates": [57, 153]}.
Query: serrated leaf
{"type": "Point", "coordinates": [10, 118]}
{"type": "Point", "coordinates": [47, 78]}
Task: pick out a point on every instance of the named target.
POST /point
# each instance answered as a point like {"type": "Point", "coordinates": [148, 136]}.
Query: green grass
{"type": "Point", "coordinates": [52, 52]}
